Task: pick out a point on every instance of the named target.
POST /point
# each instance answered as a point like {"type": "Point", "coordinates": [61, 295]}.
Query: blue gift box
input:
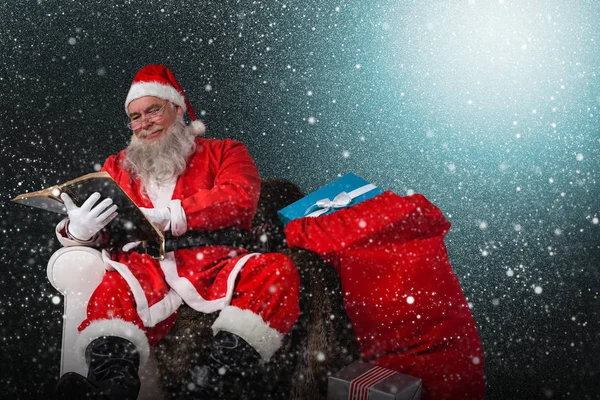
{"type": "Point", "coordinates": [343, 192]}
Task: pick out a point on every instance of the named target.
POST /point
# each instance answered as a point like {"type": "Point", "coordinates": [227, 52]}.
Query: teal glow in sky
{"type": "Point", "coordinates": [514, 67]}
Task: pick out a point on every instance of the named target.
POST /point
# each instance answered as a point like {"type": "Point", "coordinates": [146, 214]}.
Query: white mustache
{"type": "Point", "coordinates": [147, 132]}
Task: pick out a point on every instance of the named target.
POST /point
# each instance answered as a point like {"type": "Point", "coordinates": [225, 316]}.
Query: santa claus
{"type": "Point", "coordinates": [191, 187]}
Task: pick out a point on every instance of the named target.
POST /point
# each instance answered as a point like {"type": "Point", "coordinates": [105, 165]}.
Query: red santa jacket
{"type": "Point", "coordinates": [219, 188]}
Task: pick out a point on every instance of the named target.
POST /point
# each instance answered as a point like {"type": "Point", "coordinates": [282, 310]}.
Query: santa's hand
{"type": "Point", "coordinates": [90, 218]}
{"type": "Point", "coordinates": [160, 217]}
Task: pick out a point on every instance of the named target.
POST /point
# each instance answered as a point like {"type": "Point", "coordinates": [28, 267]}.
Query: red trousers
{"type": "Point", "coordinates": [265, 291]}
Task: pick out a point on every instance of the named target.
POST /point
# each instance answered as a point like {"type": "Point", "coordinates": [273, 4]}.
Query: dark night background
{"type": "Point", "coordinates": [488, 108]}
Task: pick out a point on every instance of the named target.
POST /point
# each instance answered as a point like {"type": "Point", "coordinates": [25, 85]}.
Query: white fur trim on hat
{"type": "Point", "coordinates": [113, 327]}
{"type": "Point", "coordinates": [250, 327]}
{"type": "Point", "coordinates": [155, 89]}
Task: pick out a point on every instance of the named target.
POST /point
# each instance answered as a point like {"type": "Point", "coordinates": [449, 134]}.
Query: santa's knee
{"type": "Point", "coordinates": [284, 271]}
{"type": "Point", "coordinates": [276, 295]}
{"type": "Point", "coordinates": [266, 304]}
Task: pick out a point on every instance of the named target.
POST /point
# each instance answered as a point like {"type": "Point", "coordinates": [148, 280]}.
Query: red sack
{"type": "Point", "coordinates": [405, 302]}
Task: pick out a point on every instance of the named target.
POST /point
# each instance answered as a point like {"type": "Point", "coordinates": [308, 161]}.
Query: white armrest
{"type": "Point", "coordinates": [76, 268]}
{"type": "Point", "coordinates": [76, 272]}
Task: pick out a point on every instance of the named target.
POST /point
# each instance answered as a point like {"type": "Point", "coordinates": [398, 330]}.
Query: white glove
{"type": "Point", "coordinates": [160, 217]}
{"type": "Point", "coordinates": [87, 220]}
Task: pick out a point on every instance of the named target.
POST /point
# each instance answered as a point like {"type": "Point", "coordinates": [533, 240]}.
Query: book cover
{"type": "Point", "coordinates": [130, 225]}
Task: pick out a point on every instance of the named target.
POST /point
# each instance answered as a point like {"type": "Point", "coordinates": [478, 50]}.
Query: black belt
{"type": "Point", "coordinates": [233, 237]}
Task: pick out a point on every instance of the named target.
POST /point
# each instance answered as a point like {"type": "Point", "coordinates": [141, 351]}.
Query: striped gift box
{"type": "Point", "coordinates": [363, 381]}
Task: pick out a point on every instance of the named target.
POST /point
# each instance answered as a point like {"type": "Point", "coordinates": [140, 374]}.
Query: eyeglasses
{"type": "Point", "coordinates": [150, 116]}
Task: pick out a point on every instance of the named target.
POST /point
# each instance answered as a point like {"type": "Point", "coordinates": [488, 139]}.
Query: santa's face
{"type": "Point", "coordinates": [151, 117]}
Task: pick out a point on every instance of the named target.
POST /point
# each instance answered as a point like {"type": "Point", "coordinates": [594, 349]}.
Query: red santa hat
{"type": "Point", "coordinates": [158, 81]}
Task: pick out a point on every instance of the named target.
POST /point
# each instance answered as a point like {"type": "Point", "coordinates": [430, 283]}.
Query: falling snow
{"type": "Point", "coordinates": [490, 109]}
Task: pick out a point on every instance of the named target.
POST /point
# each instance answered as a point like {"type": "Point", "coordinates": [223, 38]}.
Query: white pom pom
{"type": "Point", "coordinates": [197, 127]}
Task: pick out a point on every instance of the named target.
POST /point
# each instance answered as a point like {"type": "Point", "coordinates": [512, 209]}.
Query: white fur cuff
{"type": "Point", "coordinates": [250, 327]}
{"type": "Point", "coordinates": [113, 327]}
{"type": "Point", "coordinates": [178, 218]}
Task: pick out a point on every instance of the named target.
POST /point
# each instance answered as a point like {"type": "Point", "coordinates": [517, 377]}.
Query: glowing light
{"type": "Point", "coordinates": [507, 58]}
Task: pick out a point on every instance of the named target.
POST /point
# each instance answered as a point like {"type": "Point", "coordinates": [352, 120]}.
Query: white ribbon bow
{"type": "Point", "coordinates": [340, 201]}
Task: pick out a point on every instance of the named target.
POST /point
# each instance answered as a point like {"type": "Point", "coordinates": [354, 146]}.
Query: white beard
{"type": "Point", "coordinates": [161, 160]}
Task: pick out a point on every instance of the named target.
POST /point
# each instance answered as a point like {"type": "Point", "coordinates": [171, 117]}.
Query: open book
{"type": "Point", "coordinates": [131, 225]}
